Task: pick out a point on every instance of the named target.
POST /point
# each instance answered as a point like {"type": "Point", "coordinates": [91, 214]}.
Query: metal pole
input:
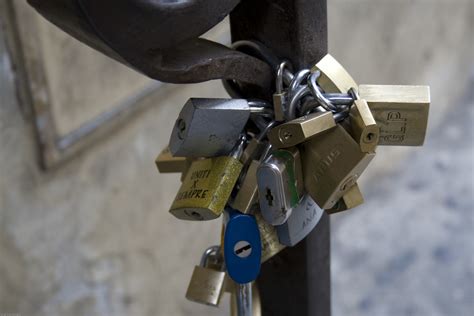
{"type": "Point", "coordinates": [297, 281]}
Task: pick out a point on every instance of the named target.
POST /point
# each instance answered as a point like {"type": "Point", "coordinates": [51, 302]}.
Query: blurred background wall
{"type": "Point", "coordinates": [92, 236]}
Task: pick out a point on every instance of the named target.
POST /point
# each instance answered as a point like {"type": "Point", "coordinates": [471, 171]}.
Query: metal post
{"type": "Point", "coordinates": [297, 281]}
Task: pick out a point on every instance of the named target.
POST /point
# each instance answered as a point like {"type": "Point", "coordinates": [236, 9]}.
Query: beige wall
{"type": "Point", "coordinates": [94, 237]}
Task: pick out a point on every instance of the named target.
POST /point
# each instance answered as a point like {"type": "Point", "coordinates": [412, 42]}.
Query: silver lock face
{"type": "Point", "coordinates": [208, 127]}
{"type": "Point", "coordinates": [303, 219]}
{"type": "Point", "coordinates": [279, 179]}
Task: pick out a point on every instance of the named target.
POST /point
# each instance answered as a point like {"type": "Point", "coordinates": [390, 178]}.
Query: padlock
{"type": "Point", "coordinates": [280, 96]}
{"type": "Point", "coordinates": [208, 127]}
{"type": "Point", "coordinates": [400, 111]}
{"type": "Point", "coordinates": [257, 146]}
{"type": "Point", "coordinates": [166, 163]}
{"type": "Point", "coordinates": [332, 164]}
{"type": "Point", "coordinates": [334, 78]}
{"type": "Point", "coordinates": [280, 184]}
{"type": "Point", "coordinates": [247, 195]}
{"type": "Point", "coordinates": [301, 129]}
{"type": "Point", "coordinates": [269, 237]}
{"type": "Point", "coordinates": [207, 282]}
{"type": "Point", "coordinates": [242, 247]}
{"type": "Point", "coordinates": [352, 198]}
{"type": "Point", "coordinates": [303, 219]}
{"type": "Point", "coordinates": [363, 127]}
{"type": "Point", "coordinates": [207, 186]}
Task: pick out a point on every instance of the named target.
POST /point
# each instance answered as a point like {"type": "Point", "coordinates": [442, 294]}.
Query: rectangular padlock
{"type": "Point", "coordinates": [208, 127]}
{"type": "Point", "coordinates": [294, 132]}
{"type": "Point", "coordinates": [334, 78]}
{"type": "Point", "coordinates": [280, 184]}
{"type": "Point", "coordinates": [247, 196]}
{"type": "Point", "coordinates": [269, 237]}
{"type": "Point", "coordinates": [352, 198]}
{"type": "Point", "coordinates": [401, 112]}
{"type": "Point", "coordinates": [166, 163]}
{"type": "Point", "coordinates": [363, 127]}
{"type": "Point", "coordinates": [332, 164]}
{"type": "Point", "coordinates": [304, 217]}
{"type": "Point", "coordinates": [207, 186]}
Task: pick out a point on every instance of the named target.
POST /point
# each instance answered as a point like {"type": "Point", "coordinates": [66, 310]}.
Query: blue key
{"type": "Point", "coordinates": [242, 247]}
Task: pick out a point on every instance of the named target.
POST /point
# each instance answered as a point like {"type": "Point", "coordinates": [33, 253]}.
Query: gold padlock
{"type": "Point", "coordinates": [301, 129]}
{"type": "Point", "coordinates": [269, 237]}
{"type": "Point", "coordinates": [349, 200]}
{"type": "Point", "coordinates": [334, 78]}
{"type": "Point", "coordinates": [166, 163]}
{"type": "Point", "coordinates": [400, 111]}
{"type": "Point", "coordinates": [332, 163]}
{"type": "Point", "coordinates": [207, 187]}
{"type": "Point", "coordinates": [363, 127]}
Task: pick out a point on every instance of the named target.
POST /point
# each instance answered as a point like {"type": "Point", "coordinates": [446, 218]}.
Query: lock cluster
{"type": "Point", "coordinates": [272, 169]}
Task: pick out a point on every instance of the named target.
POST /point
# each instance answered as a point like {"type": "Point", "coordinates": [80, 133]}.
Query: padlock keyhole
{"type": "Point", "coordinates": [269, 197]}
{"type": "Point", "coordinates": [242, 249]}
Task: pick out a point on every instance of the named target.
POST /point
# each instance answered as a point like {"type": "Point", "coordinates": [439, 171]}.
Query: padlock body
{"type": "Point", "coordinates": [269, 237]}
{"type": "Point", "coordinates": [334, 78]}
{"type": "Point", "coordinates": [247, 195]}
{"type": "Point", "coordinates": [301, 129]}
{"type": "Point", "coordinates": [401, 112]}
{"type": "Point", "coordinates": [351, 199]}
{"type": "Point", "coordinates": [332, 164]}
{"type": "Point", "coordinates": [206, 188]}
{"type": "Point", "coordinates": [304, 217]}
{"type": "Point", "coordinates": [206, 286]}
{"type": "Point", "coordinates": [363, 126]}
{"type": "Point", "coordinates": [166, 163]}
{"type": "Point", "coordinates": [208, 127]}
{"type": "Point", "coordinates": [280, 184]}
{"type": "Point", "coordinates": [242, 247]}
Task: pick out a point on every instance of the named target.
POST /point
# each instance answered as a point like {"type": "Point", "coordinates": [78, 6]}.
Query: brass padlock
{"type": "Point", "coordinates": [166, 163]}
{"type": "Point", "coordinates": [269, 237]}
{"type": "Point", "coordinates": [334, 78]}
{"type": "Point", "coordinates": [363, 127]}
{"type": "Point", "coordinates": [207, 186]}
{"type": "Point", "coordinates": [301, 129]}
{"type": "Point", "coordinates": [400, 111]}
{"type": "Point", "coordinates": [332, 163]}
{"type": "Point", "coordinates": [349, 200]}
{"type": "Point", "coordinates": [208, 279]}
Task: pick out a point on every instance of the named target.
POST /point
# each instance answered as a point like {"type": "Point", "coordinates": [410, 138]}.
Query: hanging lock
{"type": "Point", "coordinates": [400, 111]}
{"type": "Point", "coordinates": [207, 186]}
{"type": "Point", "coordinates": [208, 127]}
{"type": "Point", "coordinates": [166, 163]}
{"type": "Point", "coordinates": [362, 125]}
{"type": "Point", "coordinates": [280, 184]}
{"type": "Point", "coordinates": [352, 198]}
{"type": "Point", "coordinates": [332, 164]}
{"type": "Point", "coordinates": [242, 247]}
{"type": "Point", "coordinates": [208, 279]}
{"type": "Point", "coordinates": [269, 237]}
{"type": "Point", "coordinates": [304, 217]}
{"type": "Point", "coordinates": [280, 96]}
{"type": "Point", "coordinates": [301, 129]}
{"type": "Point", "coordinates": [334, 78]}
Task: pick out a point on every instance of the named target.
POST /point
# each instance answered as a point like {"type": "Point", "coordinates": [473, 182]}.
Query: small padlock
{"type": "Point", "coordinates": [301, 129]}
{"type": "Point", "coordinates": [247, 195]}
{"type": "Point", "coordinates": [209, 127]}
{"type": "Point", "coordinates": [269, 237]}
{"type": "Point", "coordinates": [242, 247]}
{"type": "Point", "coordinates": [208, 280]}
{"type": "Point", "coordinates": [332, 164]}
{"type": "Point", "coordinates": [334, 78]}
{"type": "Point", "coordinates": [166, 163]}
{"type": "Point", "coordinates": [401, 112]}
{"type": "Point", "coordinates": [207, 186]}
{"type": "Point", "coordinates": [280, 96]}
{"type": "Point", "coordinates": [363, 127]}
{"type": "Point", "coordinates": [352, 198]}
{"type": "Point", "coordinates": [303, 219]}
{"type": "Point", "coordinates": [280, 184]}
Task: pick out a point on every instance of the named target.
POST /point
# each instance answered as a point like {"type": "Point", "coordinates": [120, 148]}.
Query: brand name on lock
{"type": "Point", "coordinates": [325, 164]}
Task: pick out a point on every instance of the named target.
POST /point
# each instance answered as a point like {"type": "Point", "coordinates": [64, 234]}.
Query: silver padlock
{"type": "Point", "coordinates": [280, 185]}
{"type": "Point", "coordinates": [303, 219]}
{"type": "Point", "coordinates": [209, 127]}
